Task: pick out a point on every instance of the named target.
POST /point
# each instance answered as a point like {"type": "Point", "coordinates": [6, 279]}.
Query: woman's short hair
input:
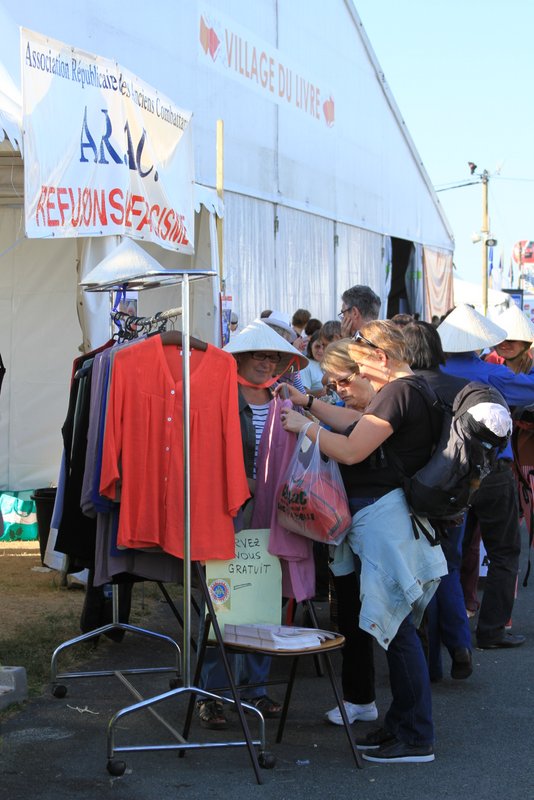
{"type": "Point", "coordinates": [300, 317]}
{"type": "Point", "coordinates": [385, 335]}
{"type": "Point", "coordinates": [331, 330]}
{"type": "Point", "coordinates": [424, 345]}
{"type": "Point", "coordinates": [337, 358]}
{"type": "Point", "coordinates": [312, 325]}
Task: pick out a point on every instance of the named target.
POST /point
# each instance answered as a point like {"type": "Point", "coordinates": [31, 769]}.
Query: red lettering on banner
{"type": "Point", "coordinates": [41, 206]}
{"type": "Point", "coordinates": [115, 198]}
{"type": "Point", "coordinates": [62, 204]}
{"type": "Point", "coordinates": [86, 207]}
{"type": "Point", "coordinates": [50, 206]}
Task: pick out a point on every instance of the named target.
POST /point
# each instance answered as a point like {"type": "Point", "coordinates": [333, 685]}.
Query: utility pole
{"type": "Point", "coordinates": [484, 231]}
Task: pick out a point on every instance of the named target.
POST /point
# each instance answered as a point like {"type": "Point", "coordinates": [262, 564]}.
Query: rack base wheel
{"type": "Point", "coordinates": [266, 760]}
{"type": "Point", "coordinates": [115, 767]}
{"type": "Point", "coordinates": [59, 691]}
{"type": "Point", "coordinates": [174, 683]}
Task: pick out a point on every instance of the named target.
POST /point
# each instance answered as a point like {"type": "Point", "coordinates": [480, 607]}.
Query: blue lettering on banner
{"type": "Point", "coordinates": [132, 157]}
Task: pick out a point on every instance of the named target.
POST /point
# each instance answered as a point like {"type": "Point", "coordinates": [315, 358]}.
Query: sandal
{"type": "Point", "coordinates": [269, 708]}
{"type": "Point", "coordinates": [211, 715]}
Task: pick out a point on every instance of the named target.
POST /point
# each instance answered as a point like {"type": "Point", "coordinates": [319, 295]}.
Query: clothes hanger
{"type": "Point", "coordinates": [174, 337]}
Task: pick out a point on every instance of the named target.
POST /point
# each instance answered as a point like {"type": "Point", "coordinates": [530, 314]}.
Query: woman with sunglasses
{"type": "Point", "coordinates": [262, 356]}
{"type": "Point", "coordinates": [399, 572]}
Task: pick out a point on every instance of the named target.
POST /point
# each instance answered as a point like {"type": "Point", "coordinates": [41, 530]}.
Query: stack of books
{"type": "Point", "coordinates": [276, 637]}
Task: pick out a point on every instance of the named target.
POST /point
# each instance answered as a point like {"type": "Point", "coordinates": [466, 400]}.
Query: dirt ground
{"type": "Point", "coordinates": [30, 591]}
{"type": "Point", "coordinates": [40, 610]}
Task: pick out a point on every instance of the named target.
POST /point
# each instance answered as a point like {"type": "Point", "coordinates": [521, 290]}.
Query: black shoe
{"type": "Point", "coordinates": [400, 753]}
{"type": "Point", "coordinates": [375, 739]}
{"type": "Point", "coordinates": [462, 664]}
{"type": "Point", "coordinates": [508, 640]}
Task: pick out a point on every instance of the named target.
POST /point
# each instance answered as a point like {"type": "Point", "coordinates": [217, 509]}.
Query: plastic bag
{"type": "Point", "coordinates": [312, 500]}
{"type": "Point", "coordinates": [19, 517]}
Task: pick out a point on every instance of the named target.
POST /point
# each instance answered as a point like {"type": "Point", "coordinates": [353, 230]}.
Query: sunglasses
{"type": "Point", "coordinates": [343, 383]}
{"type": "Point", "coordinates": [274, 358]}
{"type": "Point", "coordinates": [359, 338]}
{"type": "Point", "coordinates": [344, 311]}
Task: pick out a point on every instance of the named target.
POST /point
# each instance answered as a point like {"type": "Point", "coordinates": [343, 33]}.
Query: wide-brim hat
{"type": "Point", "coordinates": [517, 325]}
{"type": "Point", "coordinates": [281, 320]}
{"type": "Point", "coordinates": [259, 336]}
{"type": "Point", "coordinates": [465, 330]}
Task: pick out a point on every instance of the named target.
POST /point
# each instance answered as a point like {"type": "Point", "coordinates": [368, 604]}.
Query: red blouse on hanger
{"type": "Point", "coordinates": [143, 449]}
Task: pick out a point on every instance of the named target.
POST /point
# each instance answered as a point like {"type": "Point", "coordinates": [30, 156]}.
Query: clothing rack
{"type": "Point", "coordinates": [117, 767]}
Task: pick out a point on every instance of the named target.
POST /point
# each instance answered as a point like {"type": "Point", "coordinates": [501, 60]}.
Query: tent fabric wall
{"type": "Point", "coordinates": [304, 263]}
{"type": "Point", "coordinates": [40, 336]}
{"type": "Point", "coordinates": [287, 258]}
{"type": "Point", "coordinates": [360, 259]}
{"type": "Point", "coordinates": [249, 256]}
{"type": "Point", "coordinates": [439, 294]}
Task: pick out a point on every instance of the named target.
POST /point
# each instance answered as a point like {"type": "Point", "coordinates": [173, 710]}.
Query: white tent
{"type": "Point", "coordinates": [324, 187]}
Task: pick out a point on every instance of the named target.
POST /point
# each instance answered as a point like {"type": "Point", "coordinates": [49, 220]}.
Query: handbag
{"type": "Point", "coordinates": [312, 500]}
{"type": "Point", "coordinates": [19, 517]}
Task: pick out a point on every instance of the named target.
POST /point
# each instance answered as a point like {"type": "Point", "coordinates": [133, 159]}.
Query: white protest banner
{"type": "Point", "coordinates": [105, 154]}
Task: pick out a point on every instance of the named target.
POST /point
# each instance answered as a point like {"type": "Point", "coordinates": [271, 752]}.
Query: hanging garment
{"type": "Point", "coordinates": [143, 449]}
{"type": "Point", "coordinates": [295, 552]}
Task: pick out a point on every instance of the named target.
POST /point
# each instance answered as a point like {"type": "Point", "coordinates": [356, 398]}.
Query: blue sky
{"type": "Point", "coordinates": [462, 74]}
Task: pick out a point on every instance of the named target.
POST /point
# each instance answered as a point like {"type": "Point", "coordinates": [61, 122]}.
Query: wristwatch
{"type": "Point", "coordinates": [309, 404]}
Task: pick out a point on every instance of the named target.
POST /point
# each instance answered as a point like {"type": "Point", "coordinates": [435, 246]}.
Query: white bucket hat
{"type": "Point", "coordinates": [259, 336]}
{"type": "Point", "coordinates": [465, 330]}
{"type": "Point", "coordinates": [517, 325]}
{"type": "Point", "coordinates": [278, 319]}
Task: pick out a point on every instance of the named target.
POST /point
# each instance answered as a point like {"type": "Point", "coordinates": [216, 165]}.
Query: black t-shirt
{"type": "Point", "coordinates": [414, 431]}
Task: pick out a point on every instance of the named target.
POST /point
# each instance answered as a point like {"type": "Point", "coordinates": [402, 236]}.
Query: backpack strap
{"type": "Point", "coordinates": [431, 403]}
{"type": "Point", "coordinates": [418, 527]}
{"type": "Point", "coordinates": [432, 535]}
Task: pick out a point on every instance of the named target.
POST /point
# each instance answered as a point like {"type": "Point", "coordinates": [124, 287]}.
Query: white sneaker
{"type": "Point", "coordinates": [364, 713]}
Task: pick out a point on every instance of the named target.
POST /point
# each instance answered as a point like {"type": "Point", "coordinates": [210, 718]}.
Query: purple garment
{"type": "Point", "coordinates": [295, 552]}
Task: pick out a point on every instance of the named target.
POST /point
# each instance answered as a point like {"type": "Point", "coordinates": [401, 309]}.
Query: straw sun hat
{"type": "Point", "coordinates": [465, 330]}
{"type": "Point", "coordinates": [517, 325]}
{"type": "Point", "coordinates": [259, 336]}
{"type": "Point", "coordinates": [282, 321]}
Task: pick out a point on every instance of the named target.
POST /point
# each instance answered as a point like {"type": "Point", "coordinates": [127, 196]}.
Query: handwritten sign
{"type": "Point", "coordinates": [248, 588]}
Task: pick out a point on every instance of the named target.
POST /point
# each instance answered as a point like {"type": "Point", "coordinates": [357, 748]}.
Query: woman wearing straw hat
{"type": "Point", "coordinates": [262, 356]}
{"type": "Point", "coordinates": [515, 351]}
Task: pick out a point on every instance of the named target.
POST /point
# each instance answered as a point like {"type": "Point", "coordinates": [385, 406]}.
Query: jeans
{"type": "Point", "coordinates": [246, 668]}
{"type": "Point", "coordinates": [446, 617]}
{"type": "Point", "coordinates": [409, 717]}
{"type": "Point", "coordinates": [496, 508]}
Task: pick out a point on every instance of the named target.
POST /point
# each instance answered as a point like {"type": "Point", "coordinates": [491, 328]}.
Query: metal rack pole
{"type": "Point", "coordinates": [186, 652]}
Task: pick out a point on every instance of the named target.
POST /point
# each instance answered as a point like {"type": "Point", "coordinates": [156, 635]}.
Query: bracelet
{"type": "Point", "coordinates": [309, 404]}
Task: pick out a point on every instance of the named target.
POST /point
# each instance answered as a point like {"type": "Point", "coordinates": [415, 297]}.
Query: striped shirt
{"type": "Point", "coordinates": [259, 418]}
